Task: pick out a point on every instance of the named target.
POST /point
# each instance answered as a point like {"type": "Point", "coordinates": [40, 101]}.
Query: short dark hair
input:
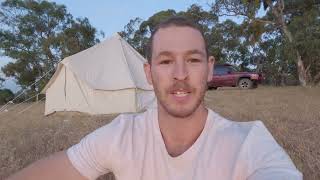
{"type": "Point", "coordinates": [178, 21]}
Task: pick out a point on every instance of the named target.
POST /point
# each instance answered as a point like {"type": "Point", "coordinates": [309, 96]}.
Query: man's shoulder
{"type": "Point", "coordinates": [255, 148]}
{"type": "Point", "coordinates": [122, 128]}
{"type": "Point", "coordinates": [125, 122]}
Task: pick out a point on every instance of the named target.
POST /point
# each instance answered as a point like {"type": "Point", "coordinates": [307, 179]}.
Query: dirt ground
{"type": "Point", "coordinates": [292, 114]}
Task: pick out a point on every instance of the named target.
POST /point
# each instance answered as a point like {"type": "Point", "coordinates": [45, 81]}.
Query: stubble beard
{"type": "Point", "coordinates": [177, 110]}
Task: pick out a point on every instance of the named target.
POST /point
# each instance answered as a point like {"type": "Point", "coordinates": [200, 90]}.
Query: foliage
{"type": "Point", "coordinates": [5, 96]}
{"type": "Point", "coordinates": [1, 81]}
{"type": "Point", "coordinates": [137, 32]}
{"type": "Point", "coordinates": [305, 27]}
{"type": "Point", "coordinates": [271, 44]}
{"type": "Point", "coordinates": [292, 21]}
{"type": "Point", "coordinates": [37, 34]}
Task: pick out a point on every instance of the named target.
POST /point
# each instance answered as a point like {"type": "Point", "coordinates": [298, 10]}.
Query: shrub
{"type": "Point", "coordinates": [6, 95]}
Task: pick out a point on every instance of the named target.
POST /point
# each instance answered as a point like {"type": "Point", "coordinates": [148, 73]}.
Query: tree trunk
{"type": "Point", "coordinates": [283, 78]}
{"type": "Point", "coordinates": [302, 74]}
{"type": "Point", "coordinates": [277, 11]}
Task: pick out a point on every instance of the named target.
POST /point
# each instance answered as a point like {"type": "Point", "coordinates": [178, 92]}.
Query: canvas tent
{"type": "Point", "coordinates": [106, 78]}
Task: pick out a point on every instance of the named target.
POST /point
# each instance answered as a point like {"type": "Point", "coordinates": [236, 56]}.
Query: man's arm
{"type": "Point", "coordinates": [56, 166]}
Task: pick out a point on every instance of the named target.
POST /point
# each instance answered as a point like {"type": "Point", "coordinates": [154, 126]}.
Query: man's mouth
{"type": "Point", "coordinates": [180, 93]}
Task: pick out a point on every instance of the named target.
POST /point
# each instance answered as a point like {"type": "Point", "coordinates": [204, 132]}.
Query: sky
{"type": "Point", "coordinates": [111, 16]}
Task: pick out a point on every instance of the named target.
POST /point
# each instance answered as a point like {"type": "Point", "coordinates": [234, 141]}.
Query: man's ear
{"type": "Point", "coordinates": [211, 62]}
{"type": "Point", "coordinates": [147, 71]}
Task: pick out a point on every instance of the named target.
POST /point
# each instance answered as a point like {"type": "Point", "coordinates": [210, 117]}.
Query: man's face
{"type": "Point", "coordinates": [179, 70]}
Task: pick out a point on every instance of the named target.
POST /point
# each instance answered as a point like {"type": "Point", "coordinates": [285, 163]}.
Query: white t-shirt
{"type": "Point", "coordinates": [131, 147]}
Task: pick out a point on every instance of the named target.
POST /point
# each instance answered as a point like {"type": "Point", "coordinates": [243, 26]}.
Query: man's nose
{"type": "Point", "coordinates": [180, 71]}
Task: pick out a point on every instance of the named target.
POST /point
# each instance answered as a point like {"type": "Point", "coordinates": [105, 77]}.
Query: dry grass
{"type": "Point", "coordinates": [292, 114]}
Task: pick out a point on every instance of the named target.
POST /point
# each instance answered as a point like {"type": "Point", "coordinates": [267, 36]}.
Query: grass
{"type": "Point", "coordinates": [292, 114]}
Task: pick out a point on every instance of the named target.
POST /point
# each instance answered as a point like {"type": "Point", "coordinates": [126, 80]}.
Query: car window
{"type": "Point", "coordinates": [229, 69]}
{"type": "Point", "coordinates": [234, 69]}
{"type": "Point", "coordinates": [221, 70]}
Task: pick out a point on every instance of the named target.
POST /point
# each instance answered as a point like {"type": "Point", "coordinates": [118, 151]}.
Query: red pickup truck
{"type": "Point", "coordinates": [226, 75]}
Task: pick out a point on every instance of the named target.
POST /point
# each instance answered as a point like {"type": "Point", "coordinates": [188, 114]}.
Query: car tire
{"type": "Point", "coordinates": [245, 83]}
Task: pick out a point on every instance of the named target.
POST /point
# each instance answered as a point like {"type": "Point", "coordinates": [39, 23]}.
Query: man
{"type": "Point", "coordinates": [180, 139]}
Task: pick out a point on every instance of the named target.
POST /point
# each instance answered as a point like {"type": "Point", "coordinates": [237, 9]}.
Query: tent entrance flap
{"type": "Point", "coordinates": [76, 94]}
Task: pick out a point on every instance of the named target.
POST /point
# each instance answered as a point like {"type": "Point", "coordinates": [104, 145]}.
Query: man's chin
{"type": "Point", "coordinates": [180, 108]}
{"type": "Point", "coordinates": [180, 112]}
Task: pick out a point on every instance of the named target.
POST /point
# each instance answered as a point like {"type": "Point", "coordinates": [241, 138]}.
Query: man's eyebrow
{"type": "Point", "coordinates": [164, 53]}
{"type": "Point", "coordinates": [195, 51]}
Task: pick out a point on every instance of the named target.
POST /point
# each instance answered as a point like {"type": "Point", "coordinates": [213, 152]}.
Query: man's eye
{"type": "Point", "coordinates": [165, 61]}
{"type": "Point", "coordinates": [194, 60]}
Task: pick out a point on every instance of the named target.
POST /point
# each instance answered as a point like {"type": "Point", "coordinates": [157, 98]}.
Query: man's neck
{"type": "Point", "coordinates": [179, 134]}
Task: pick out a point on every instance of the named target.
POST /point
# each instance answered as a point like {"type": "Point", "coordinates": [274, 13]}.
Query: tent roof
{"type": "Point", "coordinates": [110, 65]}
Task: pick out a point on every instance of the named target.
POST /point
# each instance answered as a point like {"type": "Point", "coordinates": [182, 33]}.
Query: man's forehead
{"type": "Point", "coordinates": [187, 52]}
{"type": "Point", "coordinates": [178, 39]}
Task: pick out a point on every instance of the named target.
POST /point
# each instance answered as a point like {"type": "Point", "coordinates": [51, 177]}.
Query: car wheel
{"type": "Point", "coordinates": [245, 83]}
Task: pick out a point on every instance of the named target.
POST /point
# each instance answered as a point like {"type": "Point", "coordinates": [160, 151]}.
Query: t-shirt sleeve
{"type": "Point", "coordinates": [93, 155]}
{"type": "Point", "coordinates": [267, 159]}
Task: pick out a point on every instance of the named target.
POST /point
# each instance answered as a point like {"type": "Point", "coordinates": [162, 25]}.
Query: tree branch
{"type": "Point", "coordinates": [265, 21]}
{"type": "Point", "coordinates": [307, 69]}
{"type": "Point", "coordinates": [223, 14]}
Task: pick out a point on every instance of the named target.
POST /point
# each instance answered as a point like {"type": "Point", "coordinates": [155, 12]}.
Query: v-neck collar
{"type": "Point", "coordinates": [191, 151]}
